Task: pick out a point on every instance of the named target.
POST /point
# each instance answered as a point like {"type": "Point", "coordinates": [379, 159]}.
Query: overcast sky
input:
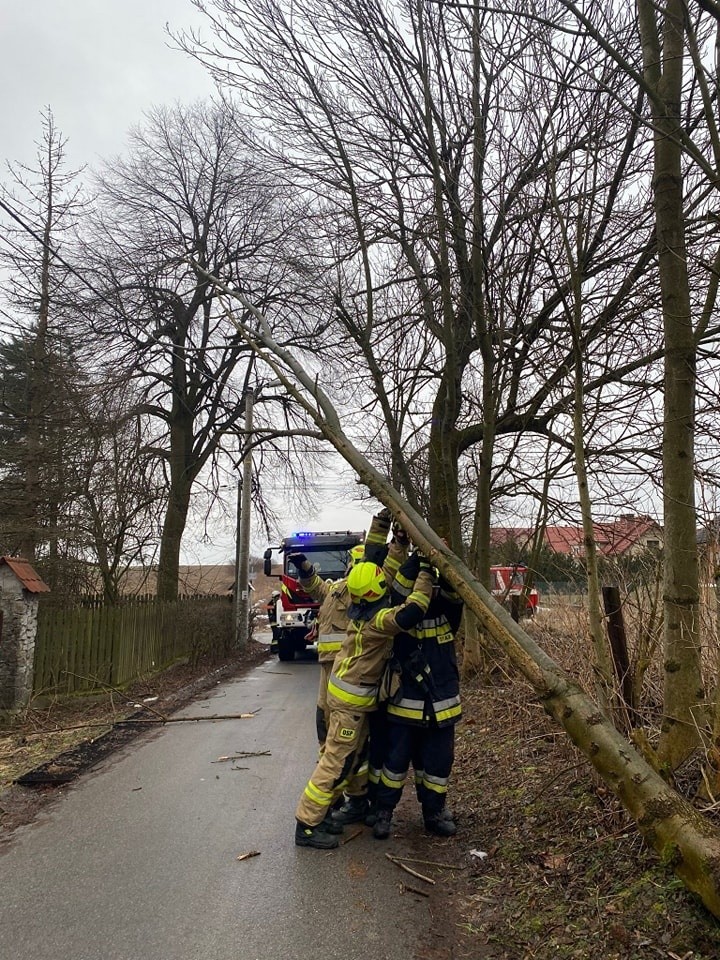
{"type": "Point", "coordinates": [97, 63]}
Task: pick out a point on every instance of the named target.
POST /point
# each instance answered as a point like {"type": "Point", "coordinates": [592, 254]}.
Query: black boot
{"type": "Point", "coordinates": [318, 837]}
{"type": "Point", "coordinates": [352, 811]}
{"type": "Point", "coordinates": [383, 822]}
{"type": "Point", "coordinates": [331, 825]}
{"type": "Point", "coordinates": [440, 823]}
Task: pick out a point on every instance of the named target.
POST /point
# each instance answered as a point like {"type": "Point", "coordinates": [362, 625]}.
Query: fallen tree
{"type": "Point", "coordinates": [685, 840]}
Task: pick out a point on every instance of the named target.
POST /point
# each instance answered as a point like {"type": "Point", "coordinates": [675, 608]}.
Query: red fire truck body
{"type": "Point", "coordinates": [508, 582]}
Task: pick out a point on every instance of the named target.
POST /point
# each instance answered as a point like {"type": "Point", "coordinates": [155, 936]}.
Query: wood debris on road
{"type": "Point", "coordinates": [398, 862]}
{"type": "Point", "coordinates": [352, 836]}
{"type": "Point", "coordinates": [248, 855]}
{"type": "Point", "coordinates": [243, 755]}
{"type": "Point", "coordinates": [406, 888]}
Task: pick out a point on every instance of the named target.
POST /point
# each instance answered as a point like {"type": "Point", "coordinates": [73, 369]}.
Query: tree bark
{"type": "Point", "coordinates": [181, 480]}
{"type": "Point", "coordinates": [684, 696]}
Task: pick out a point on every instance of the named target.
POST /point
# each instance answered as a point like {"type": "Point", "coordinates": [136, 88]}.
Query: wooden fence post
{"type": "Point", "coordinates": [618, 646]}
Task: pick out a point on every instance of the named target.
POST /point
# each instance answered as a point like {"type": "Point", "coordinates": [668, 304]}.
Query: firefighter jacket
{"type": "Point", "coordinates": [424, 660]}
{"type": "Point", "coordinates": [359, 666]}
{"type": "Point", "coordinates": [332, 619]}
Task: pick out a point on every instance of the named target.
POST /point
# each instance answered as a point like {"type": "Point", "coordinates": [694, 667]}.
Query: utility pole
{"type": "Point", "coordinates": [242, 543]}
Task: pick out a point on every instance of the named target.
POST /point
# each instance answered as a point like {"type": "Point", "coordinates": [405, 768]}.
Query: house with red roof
{"type": "Point", "coordinates": [627, 536]}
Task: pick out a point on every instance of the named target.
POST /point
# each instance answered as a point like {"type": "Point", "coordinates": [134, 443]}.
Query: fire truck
{"type": "Point", "coordinates": [509, 582]}
{"type": "Point", "coordinates": [296, 611]}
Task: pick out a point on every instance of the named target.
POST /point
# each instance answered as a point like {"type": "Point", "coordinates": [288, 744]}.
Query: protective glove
{"type": "Point", "coordinates": [297, 559]}
{"type": "Point", "coordinates": [427, 567]}
{"type": "Point", "coordinates": [400, 535]}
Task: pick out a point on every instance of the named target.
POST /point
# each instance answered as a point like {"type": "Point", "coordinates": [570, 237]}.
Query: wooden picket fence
{"type": "Point", "coordinates": [93, 646]}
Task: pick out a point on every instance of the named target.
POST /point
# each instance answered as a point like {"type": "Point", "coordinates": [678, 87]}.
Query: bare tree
{"type": "Point", "coordinates": [426, 137]}
{"type": "Point", "coordinates": [187, 199]}
{"type": "Point", "coordinates": [120, 491]}
{"type": "Point", "coordinates": [433, 170]}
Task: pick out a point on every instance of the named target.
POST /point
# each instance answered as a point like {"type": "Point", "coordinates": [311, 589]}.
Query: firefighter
{"type": "Point", "coordinates": [271, 610]}
{"type": "Point", "coordinates": [377, 739]}
{"type": "Point", "coordinates": [332, 622]}
{"type": "Point", "coordinates": [422, 710]}
{"type": "Point", "coordinates": [353, 691]}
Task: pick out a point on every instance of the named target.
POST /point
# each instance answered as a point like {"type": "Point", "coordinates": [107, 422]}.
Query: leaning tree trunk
{"type": "Point", "coordinates": [684, 839]}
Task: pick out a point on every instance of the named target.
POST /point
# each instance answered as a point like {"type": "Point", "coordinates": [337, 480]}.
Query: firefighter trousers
{"type": "Point", "coordinates": [431, 750]}
{"type": "Point", "coordinates": [322, 711]}
{"type": "Point", "coordinates": [342, 753]}
{"type": "Point", "coordinates": [358, 783]}
{"type": "Point", "coordinates": [377, 749]}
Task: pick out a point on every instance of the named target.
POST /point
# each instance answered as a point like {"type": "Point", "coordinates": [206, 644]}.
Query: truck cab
{"type": "Point", "coordinates": [296, 611]}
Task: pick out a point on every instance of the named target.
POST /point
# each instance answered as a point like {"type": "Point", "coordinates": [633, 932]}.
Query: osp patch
{"type": "Point", "coordinates": [347, 733]}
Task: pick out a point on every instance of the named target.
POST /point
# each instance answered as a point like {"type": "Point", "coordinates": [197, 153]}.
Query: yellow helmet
{"type": "Point", "coordinates": [366, 581]}
{"type": "Point", "coordinates": [356, 555]}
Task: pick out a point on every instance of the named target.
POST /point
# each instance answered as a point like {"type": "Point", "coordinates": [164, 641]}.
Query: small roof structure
{"type": "Point", "coordinates": [26, 574]}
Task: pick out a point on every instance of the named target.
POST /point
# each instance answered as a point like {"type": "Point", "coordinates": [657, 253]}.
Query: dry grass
{"type": "Point", "coordinates": [568, 875]}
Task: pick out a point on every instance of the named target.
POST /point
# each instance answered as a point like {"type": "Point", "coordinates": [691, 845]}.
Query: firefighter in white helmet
{"type": "Point", "coordinates": [353, 691]}
{"type": "Point", "coordinates": [331, 623]}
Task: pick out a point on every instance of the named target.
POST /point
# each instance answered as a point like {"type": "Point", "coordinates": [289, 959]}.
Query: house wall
{"type": "Point", "coordinates": [17, 641]}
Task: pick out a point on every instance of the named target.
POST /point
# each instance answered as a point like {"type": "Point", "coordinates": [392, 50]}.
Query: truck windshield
{"type": "Point", "coordinates": [330, 564]}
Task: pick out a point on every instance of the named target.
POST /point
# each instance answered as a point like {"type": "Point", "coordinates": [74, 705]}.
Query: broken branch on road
{"type": "Point", "coordinates": [246, 856]}
{"type": "Point", "coordinates": [243, 755]}
{"type": "Point", "coordinates": [414, 873]}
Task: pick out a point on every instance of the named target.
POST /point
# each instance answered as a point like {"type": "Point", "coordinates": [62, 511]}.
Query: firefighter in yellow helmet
{"type": "Point", "coordinates": [353, 691]}
{"type": "Point", "coordinates": [332, 619]}
{"type": "Point", "coordinates": [332, 622]}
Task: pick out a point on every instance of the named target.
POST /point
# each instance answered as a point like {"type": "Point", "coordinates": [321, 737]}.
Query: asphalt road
{"type": "Point", "coordinates": [138, 859]}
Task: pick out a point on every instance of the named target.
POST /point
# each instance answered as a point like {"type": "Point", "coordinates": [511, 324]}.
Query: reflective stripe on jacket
{"type": "Point", "coordinates": [360, 663]}
{"type": "Point", "coordinates": [332, 618]}
{"type": "Point", "coordinates": [329, 643]}
{"type": "Point", "coordinates": [429, 677]}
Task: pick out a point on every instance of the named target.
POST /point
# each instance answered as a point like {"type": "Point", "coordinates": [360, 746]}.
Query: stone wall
{"type": "Point", "coordinates": [19, 611]}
